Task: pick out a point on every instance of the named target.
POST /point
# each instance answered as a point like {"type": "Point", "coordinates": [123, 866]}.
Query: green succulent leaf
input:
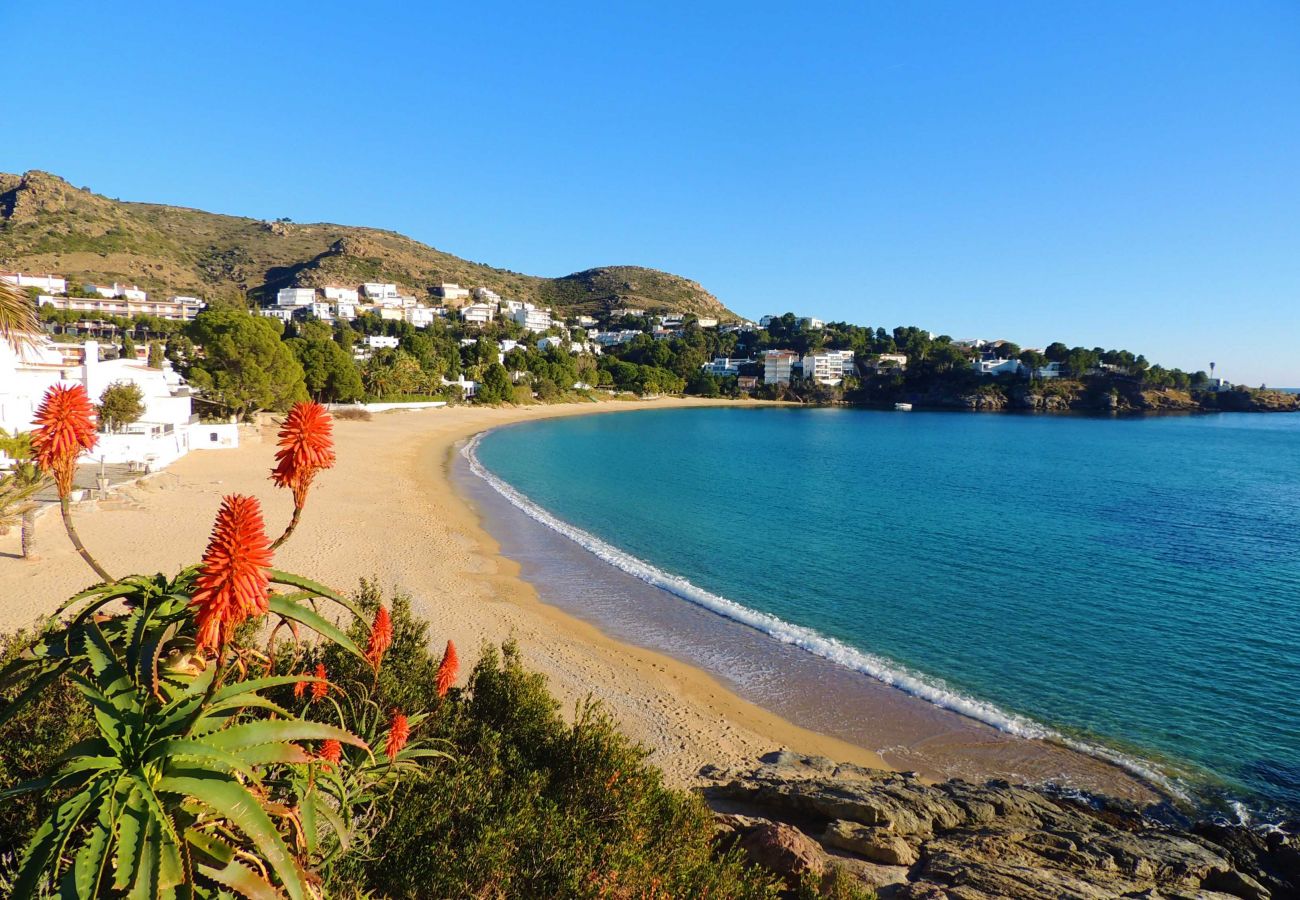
{"type": "Point", "coordinates": [289, 609]}
{"type": "Point", "coordinates": [291, 580]}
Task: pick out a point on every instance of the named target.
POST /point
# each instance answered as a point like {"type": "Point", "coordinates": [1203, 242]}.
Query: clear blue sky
{"type": "Point", "coordinates": [1102, 173]}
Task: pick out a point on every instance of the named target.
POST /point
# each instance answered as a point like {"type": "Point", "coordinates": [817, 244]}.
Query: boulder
{"type": "Point", "coordinates": [783, 850]}
{"type": "Point", "coordinates": [878, 845]}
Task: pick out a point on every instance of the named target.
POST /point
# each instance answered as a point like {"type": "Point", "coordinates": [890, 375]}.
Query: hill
{"type": "Point", "coordinates": [46, 224]}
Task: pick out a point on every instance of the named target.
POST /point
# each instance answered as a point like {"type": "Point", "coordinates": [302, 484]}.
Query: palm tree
{"type": "Point", "coordinates": [19, 323]}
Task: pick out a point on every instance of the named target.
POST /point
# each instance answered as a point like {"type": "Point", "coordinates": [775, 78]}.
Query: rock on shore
{"type": "Point", "coordinates": [908, 839]}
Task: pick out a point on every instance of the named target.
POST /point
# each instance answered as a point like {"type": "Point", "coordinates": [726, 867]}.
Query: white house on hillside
{"type": "Point", "coordinates": [338, 294]}
{"type": "Point", "coordinates": [49, 284]}
{"type": "Point", "coordinates": [829, 366]}
{"type": "Point", "coordinates": [534, 319]}
{"type": "Point", "coordinates": [778, 366]}
{"type": "Point", "coordinates": [295, 296]}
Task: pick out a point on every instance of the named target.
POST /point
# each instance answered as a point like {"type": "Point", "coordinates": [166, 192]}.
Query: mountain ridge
{"type": "Point", "coordinates": [46, 224]}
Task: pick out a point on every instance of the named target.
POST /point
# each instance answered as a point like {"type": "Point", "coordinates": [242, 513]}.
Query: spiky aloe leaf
{"type": "Point", "coordinates": [46, 845]}
{"type": "Point", "coordinates": [132, 824]}
{"type": "Point", "coordinates": [283, 606]}
{"type": "Point", "coordinates": [253, 734]}
{"type": "Point", "coordinates": [203, 753]}
{"type": "Point", "coordinates": [320, 590]}
{"type": "Point", "coordinates": [88, 867]}
{"type": "Point", "coordinates": [309, 820]}
{"type": "Point", "coordinates": [240, 879]}
{"type": "Point", "coordinates": [233, 802]}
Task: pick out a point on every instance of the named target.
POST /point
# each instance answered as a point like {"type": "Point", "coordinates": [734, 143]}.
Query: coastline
{"type": "Point", "coordinates": [391, 501]}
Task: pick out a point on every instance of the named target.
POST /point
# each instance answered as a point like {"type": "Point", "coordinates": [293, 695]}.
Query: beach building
{"type": "Point", "coordinates": [778, 365]}
{"type": "Point", "coordinates": [747, 382]}
{"type": "Point", "coordinates": [48, 284]}
{"type": "Point", "coordinates": [995, 366]}
{"type": "Point", "coordinates": [295, 296]}
{"type": "Point", "coordinates": [534, 319]}
{"type": "Point", "coordinates": [888, 362]}
{"type": "Point", "coordinates": [828, 367]}
{"type": "Point", "coordinates": [165, 431]}
{"type": "Point", "coordinates": [723, 367]}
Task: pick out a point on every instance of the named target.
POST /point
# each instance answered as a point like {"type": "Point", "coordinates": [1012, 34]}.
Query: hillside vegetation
{"type": "Point", "coordinates": [47, 225]}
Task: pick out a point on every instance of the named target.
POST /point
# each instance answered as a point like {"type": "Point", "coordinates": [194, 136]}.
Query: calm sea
{"type": "Point", "coordinates": [1130, 585]}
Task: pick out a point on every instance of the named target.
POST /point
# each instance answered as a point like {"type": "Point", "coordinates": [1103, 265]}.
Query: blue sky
{"type": "Point", "coordinates": [1102, 173]}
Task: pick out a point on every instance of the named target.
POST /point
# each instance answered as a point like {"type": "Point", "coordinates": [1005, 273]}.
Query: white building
{"type": "Point", "coordinates": [451, 292]}
{"type": "Point", "coordinates": [586, 321]}
{"type": "Point", "coordinates": [723, 367]}
{"type": "Point", "coordinates": [378, 292]}
{"type": "Point", "coordinates": [483, 295]}
{"type": "Point", "coordinates": [889, 361]}
{"type": "Point", "coordinates": [295, 296]}
{"type": "Point", "coordinates": [477, 314]}
{"type": "Point", "coordinates": [1051, 370]}
{"type": "Point", "coordinates": [419, 316]}
{"type": "Point", "coordinates": [612, 338]}
{"type": "Point", "coordinates": [706, 322]}
{"type": "Point", "coordinates": [381, 342]}
{"type": "Point", "coordinates": [49, 284]}
{"type": "Point", "coordinates": [344, 309]}
{"type": "Point", "coordinates": [322, 310]}
{"type": "Point", "coordinates": [165, 431]}
{"type": "Point", "coordinates": [119, 290]}
{"type": "Point", "coordinates": [811, 324]}
{"type": "Point", "coordinates": [180, 308]}
{"type": "Point", "coordinates": [534, 319]}
{"type": "Point", "coordinates": [283, 313]}
{"type": "Point", "coordinates": [995, 366]}
{"type": "Point", "coordinates": [778, 365]}
{"type": "Point", "coordinates": [338, 294]}
{"type": "Point", "coordinates": [829, 366]}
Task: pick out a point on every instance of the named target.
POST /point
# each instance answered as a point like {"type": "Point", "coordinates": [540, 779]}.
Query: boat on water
{"type": "Point", "coordinates": [903, 407]}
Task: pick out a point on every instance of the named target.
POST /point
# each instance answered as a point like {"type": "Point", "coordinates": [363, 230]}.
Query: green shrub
{"type": "Point", "coordinates": [532, 806]}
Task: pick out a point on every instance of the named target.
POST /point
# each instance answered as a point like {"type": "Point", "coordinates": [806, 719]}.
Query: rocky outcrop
{"type": "Point", "coordinates": [910, 839]}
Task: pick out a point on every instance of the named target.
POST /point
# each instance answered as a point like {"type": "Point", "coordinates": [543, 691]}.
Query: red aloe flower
{"type": "Point", "coordinates": [331, 751]}
{"type": "Point", "coordinates": [381, 637]}
{"type": "Point", "coordinates": [233, 584]}
{"type": "Point", "coordinates": [65, 426]}
{"type": "Point", "coordinates": [299, 688]}
{"type": "Point", "coordinates": [320, 688]}
{"type": "Point", "coordinates": [398, 732]}
{"type": "Point", "coordinates": [306, 446]}
{"type": "Point", "coordinates": [447, 669]}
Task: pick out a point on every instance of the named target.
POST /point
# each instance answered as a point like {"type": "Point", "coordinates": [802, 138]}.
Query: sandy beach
{"type": "Point", "coordinates": [390, 510]}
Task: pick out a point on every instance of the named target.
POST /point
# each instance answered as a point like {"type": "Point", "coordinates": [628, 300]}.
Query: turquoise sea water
{"type": "Point", "coordinates": [1128, 583]}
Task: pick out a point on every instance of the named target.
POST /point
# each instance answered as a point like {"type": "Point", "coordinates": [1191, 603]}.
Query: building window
{"type": "Point", "coordinates": [213, 437]}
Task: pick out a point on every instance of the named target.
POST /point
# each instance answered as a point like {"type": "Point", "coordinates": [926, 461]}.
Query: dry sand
{"type": "Point", "coordinates": [388, 510]}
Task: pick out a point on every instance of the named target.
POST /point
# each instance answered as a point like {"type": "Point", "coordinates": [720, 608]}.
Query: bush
{"type": "Point", "coordinates": [352, 414]}
{"type": "Point", "coordinates": [533, 806]}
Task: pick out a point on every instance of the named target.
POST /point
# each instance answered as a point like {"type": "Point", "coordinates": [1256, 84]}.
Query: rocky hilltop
{"type": "Point", "coordinates": [909, 840]}
{"type": "Point", "coordinates": [47, 225]}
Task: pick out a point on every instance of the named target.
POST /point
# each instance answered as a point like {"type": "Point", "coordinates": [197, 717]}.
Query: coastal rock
{"type": "Point", "coordinates": [784, 850]}
{"type": "Point", "coordinates": [968, 842]}
{"type": "Point", "coordinates": [878, 845]}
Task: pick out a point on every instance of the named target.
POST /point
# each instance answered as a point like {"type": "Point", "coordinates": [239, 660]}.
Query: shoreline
{"type": "Point", "coordinates": [416, 532]}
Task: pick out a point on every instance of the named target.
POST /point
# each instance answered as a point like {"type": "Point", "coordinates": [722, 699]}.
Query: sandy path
{"type": "Point", "coordinates": [388, 510]}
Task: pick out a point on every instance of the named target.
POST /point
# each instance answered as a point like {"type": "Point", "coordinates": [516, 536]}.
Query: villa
{"type": "Point", "coordinates": [829, 367]}
{"type": "Point", "coordinates": [992, 365]}
{"type": "Point", "coordinates": [166, 431]}
{"type": "Point", "coordinates": [295, 296]}
{"type": "Point", "coordinates": [533, 319]}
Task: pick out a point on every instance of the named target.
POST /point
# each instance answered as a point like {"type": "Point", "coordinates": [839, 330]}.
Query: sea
{"type": "Point", "coordinates": [1125, 587]}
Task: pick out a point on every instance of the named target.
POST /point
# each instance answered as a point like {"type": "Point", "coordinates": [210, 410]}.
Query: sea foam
{"type": "Point", "coordinates": [887, 672]}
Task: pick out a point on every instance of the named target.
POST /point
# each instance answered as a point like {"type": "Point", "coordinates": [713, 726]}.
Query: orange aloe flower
{"type": "Point", "coordinates": [306, 446]}
{"type": "Point", "coordinates": [65, 426]}
{"type": "Point", "coordinates": [447, 669]}
{"type": "Point", "coordinates": [381, 637]}
{"type": "Point", "coordinates": [232, 585]}
{"type": "Point", "coordinates": [319, 688]}
{"type": "Point", "coordinates": [398, 732]}
{"type": "Point", "coordinates": [299, 688]}
{"type": "Point", "coordinates": [331, 751]}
